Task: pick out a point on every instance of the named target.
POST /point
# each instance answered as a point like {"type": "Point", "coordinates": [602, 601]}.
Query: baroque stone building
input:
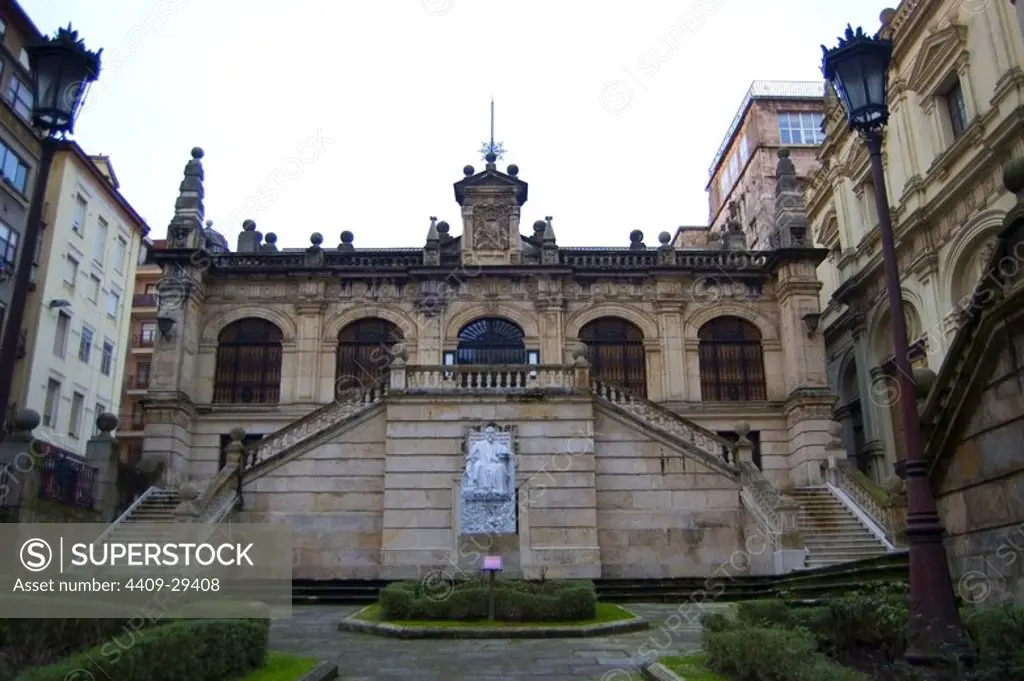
{"type": "Point", "coordinates": [956, 91]}
{"type": "Point", "coordinates": [619, 375]}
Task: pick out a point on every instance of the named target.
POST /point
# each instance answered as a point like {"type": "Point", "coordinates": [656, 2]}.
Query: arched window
{"type": "Point", "coordinates": [364, 354]}
{"type": "Point", "coordinates": [491, 341]}
{"type": "Point", "coordinates": [248, 363]}
{"type": "Point", "coordinates": [731, 361]}
{"type": "Point", "coordinates": [616, 352]}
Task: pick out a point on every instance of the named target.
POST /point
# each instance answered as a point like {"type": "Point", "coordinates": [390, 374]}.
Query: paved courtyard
{"type": "Point", "coordinates": [312, 631]}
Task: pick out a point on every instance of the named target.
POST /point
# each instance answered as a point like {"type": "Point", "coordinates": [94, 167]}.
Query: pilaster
{"type": "Point", "coordinates": [309, 351]}
{"type": "Point", "coordinates": [170, 422]}
{"type": "Point", "coordinates": [670, 327]}
{"type": "Point", "coordinates": [808, 415]}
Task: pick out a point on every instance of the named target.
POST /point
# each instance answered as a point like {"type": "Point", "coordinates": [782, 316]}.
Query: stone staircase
{"type": "Point", "coordinates": [832, 533]}
{"type": "Point", "coordinates": [155, 505]}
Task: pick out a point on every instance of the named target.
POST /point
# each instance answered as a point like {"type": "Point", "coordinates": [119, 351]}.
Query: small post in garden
{"type": "Point", "coordinates": [492, 566]}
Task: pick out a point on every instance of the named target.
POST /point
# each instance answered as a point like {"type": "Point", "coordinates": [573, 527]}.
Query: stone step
{"type": "Point", "coordinates": [848, 542]}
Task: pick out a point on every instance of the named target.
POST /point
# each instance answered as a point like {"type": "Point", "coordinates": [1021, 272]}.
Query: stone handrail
{"type": "Point", "coordinates": [698, 438]}
{"type": "Point", "coordinates": [225, 483]}
{"type": "Point", "coordinates": [766, 499]}
{"type": "Point", "coordinates": [127, 513]}
{"type": "Point", "coordinates": [484, 378]}
{"type": "Point", "coordinates": [346, 406]}
{"type": "Point", "coordinates": [886, 510]}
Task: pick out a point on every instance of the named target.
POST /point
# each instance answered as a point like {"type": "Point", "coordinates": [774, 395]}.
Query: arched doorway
{"type": "Point", "coordinates": [364, 354]}
{"type": "Point", "coordinates": [731, 361]}
{"type": "Point", "coordinates": [491, 340]}
{"type": "Point", "coordinates": [850, 414]}
{"type": "Point", "coordinates": [616, 352]}
{"type": "Point", "coordinates": [248, 367]}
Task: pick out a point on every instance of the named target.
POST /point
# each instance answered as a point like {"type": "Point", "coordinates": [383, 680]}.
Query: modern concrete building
{"type": "Point", "coordinates": [19, 145]}
{"type": "Point", "coordinates": [77, 319]}
{"type": "Point", "coordinates": [956, 95]}
{"type": "Point", "coordinates": [741, 180]}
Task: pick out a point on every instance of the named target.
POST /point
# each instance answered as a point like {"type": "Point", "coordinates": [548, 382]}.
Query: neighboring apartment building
{"type": "Point", "coordinates": [138, 364]}
{"type": "Point", "coordinates": [19, 146]}
{"type": "Point", "coordinates": [741, 183]}
{"type": "Point", "coordinates": [956, 88]}
{"type": "Point", "coordinates": [77, 322]}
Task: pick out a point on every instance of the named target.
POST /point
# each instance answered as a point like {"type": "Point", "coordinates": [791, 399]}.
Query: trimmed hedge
{"type": "Point", "coordinates": [772, 654]}
{"type": "Point", "coordinates": [26, 643]}
{"type": "Point", "coordinates": [197, 650]}
{"type": "Point", "coordinates": [514, 601]}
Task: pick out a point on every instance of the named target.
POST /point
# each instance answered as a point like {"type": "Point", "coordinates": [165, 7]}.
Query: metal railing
{"type": "Point", "coordinates": [144, 339]}
{"type": "Point", "coordinates": [66, 479]}
{"type": "Point", "coordinates": [143, 300]}
{"type": "Point", "coordinates": [138, 382]}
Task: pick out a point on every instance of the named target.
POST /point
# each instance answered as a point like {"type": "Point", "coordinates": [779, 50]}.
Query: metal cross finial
{"type": "Point", "coordinates": [492, 151]}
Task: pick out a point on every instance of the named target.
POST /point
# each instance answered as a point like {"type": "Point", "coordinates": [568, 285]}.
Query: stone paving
{"type": "Point", "coordinates": [312, 631]}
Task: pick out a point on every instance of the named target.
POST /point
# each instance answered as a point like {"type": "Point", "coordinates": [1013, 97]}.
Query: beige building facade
{"type": "Point", "coordinates": [956, 91]}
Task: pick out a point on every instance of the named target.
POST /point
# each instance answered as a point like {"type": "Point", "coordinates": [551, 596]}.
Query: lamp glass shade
{"type": "Point", "coordinates": [62, 70]}
{"type": "Point", "coordinates": [858, 70]}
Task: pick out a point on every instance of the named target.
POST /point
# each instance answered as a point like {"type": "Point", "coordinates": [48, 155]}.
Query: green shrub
{"type": "Point", "coordinates": [772, 654]}
{"type": "Point", "coordinates": [514, 601]}
{"type": "Point", "coordinates": [875, 617]}
{"type": "Point", "coordinates": [197, 650]}
{"type": "Point", "coordinates": [767, 613]}
{"type": "Point", "coordinates": [28, 643]}
{"type": "Point", "coordinates": [812, 618]}
{"type": "Point", "coordinates": [998, 632]}
{"type": "Point", "coordinates": [714, 622]}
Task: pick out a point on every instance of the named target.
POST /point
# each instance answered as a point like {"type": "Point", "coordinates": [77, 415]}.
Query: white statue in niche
{"type": "Point", "coordinates": [487, 467]}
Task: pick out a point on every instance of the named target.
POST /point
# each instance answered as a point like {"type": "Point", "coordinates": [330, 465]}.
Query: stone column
{"type": "Point", "coordinates": [102, 454]}
{"type": "Point", "coordinates": [670, 326]}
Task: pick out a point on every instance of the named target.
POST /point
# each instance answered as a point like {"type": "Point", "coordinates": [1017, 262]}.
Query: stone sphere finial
{"type": "Point", "coordinates": [26, 420]}
{"type": "Point", "coordinates": [106, 422]}
{"type": "Point", "coordinates": [783, 152]}
{"type": "Point", "coordinates": [270, 238]}
{"type": "Point", "coordinates": [895, 485]}
{"type": "Point", "coordinates": [188, 491]}
{"type": "Point", "coordinates": [579, 350]}
{"type": "Point", "coordinates": [835, 429]}
{"type": "Point", "coordinates": [347, 237]}
{"type": "Point", "coordinates": [238, 434]}
{"type": "Point", "coordinates": [1013, 175]}
{"type": "Point", "coordinates": [490, 157]}
{"type": "Point", "coordinates": [664, 238]}
{"type": "Point", "coordinates": [513, 170]}
{"type": "Point", "coordinates": [197, 153]}
{"type": "Point", "coordinates": [539, 226]}
{"type": "Point", "coordinates": [887, 15]}
{"type": "Point", "coordinates": [316, 238]}
{"type": "Point", "coordinates": [742, 429]}
{"type": "Point", "coordinates": [249, 225]}
{"type": "Point", "coordinates": [468, 170]}
{"type": "Point", "coordinates": [209, 224]}
{"type": "Point", "coordinates": [636, 236]}
{"type": "Point", "coordinates": [399, 351]}
{"type": "Point", "coordinates": [924, 379]}
{"type": "Point", "coordinates": [443, 227]}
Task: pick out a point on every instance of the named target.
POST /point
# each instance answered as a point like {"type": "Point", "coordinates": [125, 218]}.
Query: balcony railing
{"type": "Point", "coordinates": [143, 300]}
{"type": "Point", "coordinates": [131, 421]}
{"type": "Point", "coordinates": [143, 339]}
{"type": "Point", "coordinates": [486, 378]}
{"type": "Point", "coordinates": [66, 479]}
{"type": "Point", "coordinates": [138, 382]}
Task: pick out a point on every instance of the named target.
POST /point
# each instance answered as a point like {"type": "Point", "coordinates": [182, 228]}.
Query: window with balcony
{"type": "Point", "coordinates": [8, 245]}
{"type": "Point", "coordinates": [77, 411]}
{"type": "Point", "coordinates": [60, 338]}
{"type": "Point", "coordinates": [15, 171]}
{"type": "Point", "coordinates": [94, 288]}
{"type": "Point", "coordinates": [71, 271]}
{"type": "Point", "coordinates": [120, 253]}
{"type": "Point", "coordinates": [142, 372]}
{"type": "Point", "coordinates": [107, 360]}
{"type": "Point", "coordinates": [85, 345]}
{"type": "Point", "coordinates": [19, 96]}
{"type": "Point", "coordinates": [51, 408]}
{"type": "Point", "coordinates": [100, 244]}
{"type": "Point", "coordinates": [800, 127]}
{"type": "Point", "coordinates": [113, 304]}
{"type": "Point", "coordinates": [25, 61]}
{"type": "Point", "coordinates": [147, 334]}
{"type": "Point", "coordinates": [956, 109]}
{"type": "Point", "coordinates": [138, 416]}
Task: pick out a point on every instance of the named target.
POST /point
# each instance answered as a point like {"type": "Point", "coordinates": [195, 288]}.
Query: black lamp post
{"type": "Point", "coordinates": [62, 70]}
{"type": "Point", "coordinates": [858, 70]}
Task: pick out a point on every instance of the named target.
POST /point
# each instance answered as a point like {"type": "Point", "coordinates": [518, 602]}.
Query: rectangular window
{"type": "Point", "coordinates": [744, 148]}
{"type": "Point", "coordinates": [94, 288]}
{"type": "Point", "coordinates": [60, 339]}
{"type": "Point", "coordinates": [79, 213]}
{"type": "Point", "coordinates": [19, 95]}
{"type": "Point", "coordinates": [77, 407]}
{"type": "Point", "coordinates": [71, 273]}
{"type": "Point", "coordinates": [147, 333]}
{"type": "Point", "coordinates": [52, 407]}
{"type": "Point", "coordinates": [8, 245]}
{"type": "Point", "coordinates": [100, 244]}
{"type": "Point", "coordinates": [800, 127]}
{"type": "Point", "coordinates": [15, 171]}
{"type": "Point", "coordinates": [533, 357]}
{"type": "Point", "coordinates": [143, 372]}
{"type": "Point", "coordinates": [113, 304]}
{"type": "Point", "coordinates": [85, 344]}
{"type": "Point", "coordinates": [957, 109]}
{"type": "Point", "coordinates": [120, 252]}
{"type": "Point", "coordinates": [723, 183]}
{"type": "Point", "coordinates": [107, 361]}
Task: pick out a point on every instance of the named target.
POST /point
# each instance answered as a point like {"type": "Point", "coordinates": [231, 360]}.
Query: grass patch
{"type": "Point", "coordinates": [606, 612]}
{"type": "Point", "coordinates": [281, 667]}
{"type": "Point", "coordinates": [691, 667]}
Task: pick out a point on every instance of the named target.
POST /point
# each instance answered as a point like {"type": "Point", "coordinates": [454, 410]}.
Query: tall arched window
{"type": "Point", "coordinates": [491, 341]}
{"type": "Point", "coordinates": [248, 363]}
{"type": "Point", "coordinates": [364, 354]}
{"type": "Point", "coordinates": [731, 361]}
{"type": "Point", "coordinates": [616, 352]}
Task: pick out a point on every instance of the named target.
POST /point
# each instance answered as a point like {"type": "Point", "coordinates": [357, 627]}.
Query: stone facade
{"type": "Point", "coordinates": [610, 482]}
{"type": "Point", "coordinates": [955, 87]}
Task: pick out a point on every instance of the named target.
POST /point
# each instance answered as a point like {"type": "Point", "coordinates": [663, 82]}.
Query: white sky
{"type": "Point", "coordinates": [399, 91]}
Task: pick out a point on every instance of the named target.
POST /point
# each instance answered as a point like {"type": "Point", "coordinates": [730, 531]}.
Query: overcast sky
{"type": "Point", "coordinates": [612, 110]}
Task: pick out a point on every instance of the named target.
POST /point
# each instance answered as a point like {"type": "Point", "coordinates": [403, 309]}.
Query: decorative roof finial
{"type": "Point", "coordinates": [492, 151]}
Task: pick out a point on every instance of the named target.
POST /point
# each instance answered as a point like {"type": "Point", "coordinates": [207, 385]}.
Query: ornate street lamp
{"type": "Point", "coordinates": [858, 71]}
{"type": "Point", "coordinates": [62, 70]}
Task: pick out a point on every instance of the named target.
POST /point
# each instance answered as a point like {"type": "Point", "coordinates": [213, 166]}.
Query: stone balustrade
{"type": "Point", "coordinates": [498, 379]}
{"type": "Point", "coordinates": [888, 510]}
